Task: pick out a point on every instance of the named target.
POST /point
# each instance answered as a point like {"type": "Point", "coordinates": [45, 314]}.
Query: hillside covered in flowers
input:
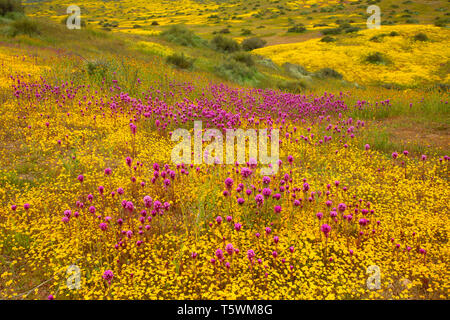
{"type": "Point", "coordinates": [89, 189]}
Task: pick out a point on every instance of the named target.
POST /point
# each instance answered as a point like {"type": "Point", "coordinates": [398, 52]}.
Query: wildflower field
{"type": "Point", "coordinates": [89, 188]}
{"type": "Point", "coordinates": [405, 60]}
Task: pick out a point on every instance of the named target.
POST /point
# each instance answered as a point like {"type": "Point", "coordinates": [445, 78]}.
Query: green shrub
{"type": "Point", "coordinates": [180, 61]}
{"type": "Point", "coordinates": [328, 39]}
{"type": "Point", "coordinates": [377, 38]}
{"type": "Point", "coordinates": [266, 62]}
{"type": "Point", "coordinates": [243, 57]}
{"type": "Point", "coordinates": [99, 67]}
{"type": "Point", "coordinates": [327, 73]}
{"type": "Point", "coordinates": [441, 22]}
{"type": "Point", "coordinates": [246, 32]}
{"type": "Point", "coordinates": [155, 23]}
{"type": "Point", "coordinates": [236, 71]}
{"type": "Point", "coordinates": [412, 21]}
{"type": "Point", "coordinates": [343, 24]}
{"type": "Point", "coordinates": [14, 15]}
{"type": "Point", "coordinates": [10, 6]}
{"type": "Point", "coordinates": [298, 28]}
{"type": "Point", "coordinates": [351, 29]}
{"type": "Point", "coordinates": [250, 44]}
{"type": "Point", "coordinates": [394, 34]}
{"type": "Point", "coordinates": [181, 35]}
{"type": "Point", "coordinates": [24, 26]}
{"type": "Point", "coordinates": [224, 31]}
{"type": "Point", "coordinates": [111, 24]}
{"type": "Point", "coordinates": [376, 58]}
{"type": "Point", "coordinates": [296, 86]}
{"type": "Point", "coordinates": [295, 70]}
{"type": "Point", "coordinates": [333, 31]}
{"type": "Point", "coordinates": [224, 44]}
{"type": "Point", "coordinates": [421, 37]}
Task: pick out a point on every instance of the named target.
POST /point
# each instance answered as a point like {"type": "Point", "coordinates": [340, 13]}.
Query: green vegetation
{"type": "Point", "coordinates": [243, 57]}
{"type": "Point", "coordinates": [182, 36]}
{"type": "Point", "coordinates": [23, 26]}
{"type": "Point", "coordinates": [224, 44]}
{"type": "Point", "coordinates": [250, 44]}
{"type": "Point", "coordinates": [327, 73]}
{"type": "Point", "coordinates": [376, 58]}
{"type": "Point", "coordinates": [421, 37]}
{"type": "Point", "coordinates": [293, 86]}
{"type": "Point", "coordinates": [298, 28]}
{"type": "Point", "coordinates": [9, 6]}
{"type": "Point", "coordinates": [238, 72]}
{"type": "Point", "coordinates": [328, 39]}
{"type": "Point", "coordinates": [180, 61]}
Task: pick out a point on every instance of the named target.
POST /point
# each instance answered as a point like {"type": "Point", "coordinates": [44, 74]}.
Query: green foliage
{"type": "Point", "coordinates": [296, 86]}
{"type": "Point", "coordinates": [376, 58]}
{"type": "Point", "coordinates": [442, 22]}
{"type": "Point", "coordinates": [246, 32]}
{"type": "Point", "coordinates": [13, 15]}
{"type": "Point", "coordinates": [243, 57]}
{"type": "Point", "coordinates": [344, 27]}
{"type": "Point", "coordinates": [298, 28]}
{"type": "Point", "coordinates": [180, 61]}
{"type": "Point", "coordinates": [333, 31]}
{"type": "Point", "coordinates": [111, 24]}
{"type": "Point", "coordinates": [328, 39]}
{"type": "Point", "coordinates": [250, 44]}
{"type": "Point", "coordinates": [387, 23]}
{"type": "Point", "coordinates": [24, 26]}
{"type": "Point", "coordinates": [7, 6]}
{"type": "Point", "coordinates": [98, 68]}
{"type": "Point", "coordinates": [421, 37]}
{"type": "Point", "coordinates": [224, 44]}
{"type": "Point", "coordinates": [181, 35]}
{"type": "Point", "coordinates": [351, 29]}
{"type": "Point", "coordinates": [412, 21]}
{"type": "Point", "coordinates": [379, 139]}
{"type": "Point", "coordinates": [327, 73]}
{"type": "Point", "coordinates": [295, 70]}
{"type": "Point", "coordinates": [377, 38]}
{"type": "Point", "coordinates": [237, 71]}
